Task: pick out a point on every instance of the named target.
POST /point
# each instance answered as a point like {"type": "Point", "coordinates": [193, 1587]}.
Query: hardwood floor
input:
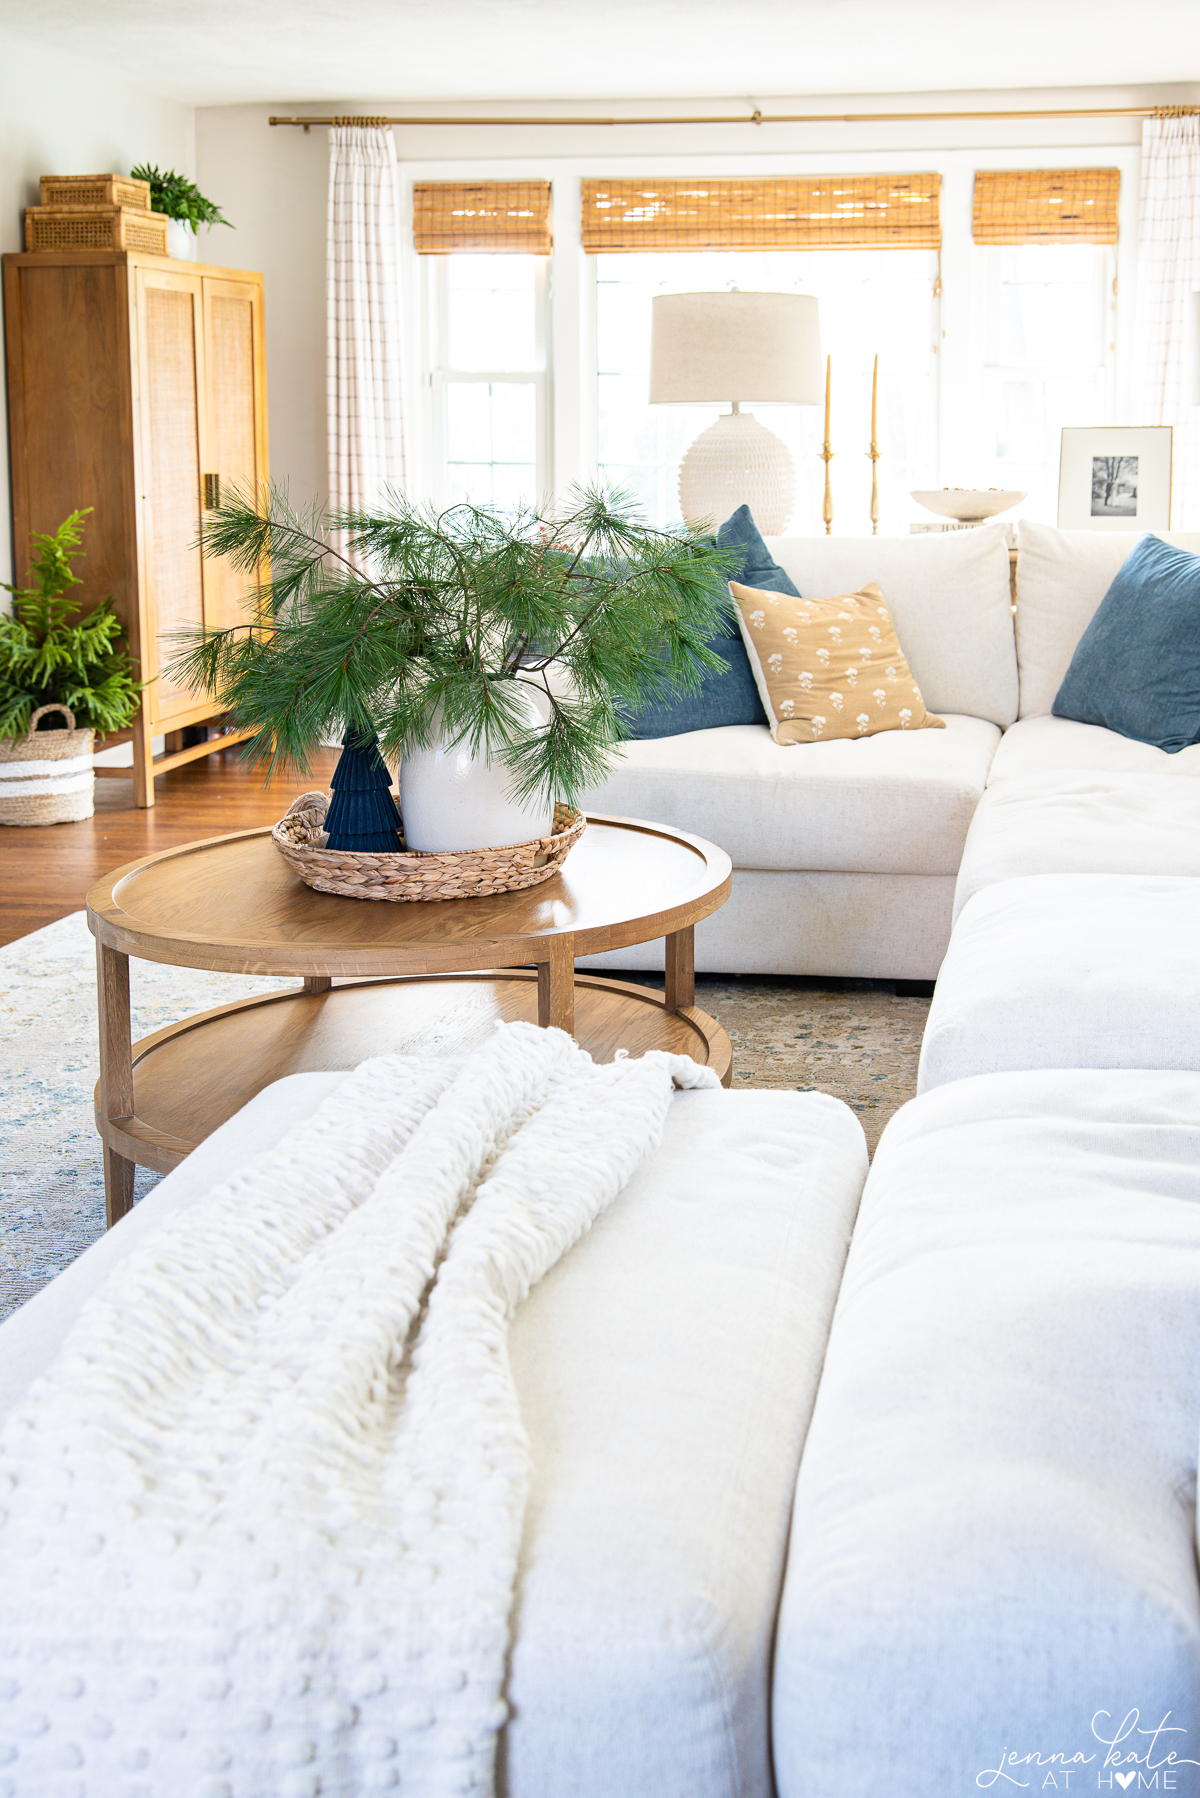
{"type": "Point", "coordinates": [45, 871]}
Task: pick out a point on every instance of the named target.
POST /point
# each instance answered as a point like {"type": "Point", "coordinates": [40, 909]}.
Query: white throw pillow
{"type": "Point", "coordinates": [1061, 578]}
{"type": "Point", "coordinates": [950, 601]}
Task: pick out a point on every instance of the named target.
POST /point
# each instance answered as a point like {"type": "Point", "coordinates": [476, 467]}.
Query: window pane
{"type": "Point", "coordinates": [492, 312]}
{"type": "Point", "coordinates": [1045, 363]}
{"type": "Point", "coordinates": [870, 302]}
{"type": "Point", "coordinates": [468, 422]}
{"type": "Point", "coordinates": [491, 442]}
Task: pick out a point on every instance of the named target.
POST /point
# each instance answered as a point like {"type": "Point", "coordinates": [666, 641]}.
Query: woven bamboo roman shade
{"type": "Point", "coordinates": [482, 215]}
{"type": "Point", "coordinates": [1046, 205]}
{"type": "Point", "coordinates": [818, 212]}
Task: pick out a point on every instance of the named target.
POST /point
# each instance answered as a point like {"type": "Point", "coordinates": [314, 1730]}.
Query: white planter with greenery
{"type": "Point", "coordinates": [454, 797]}
{"type": "Point", "coordinates": [447, 646]}
{"type": "Point", "coordinates": [185, 206]}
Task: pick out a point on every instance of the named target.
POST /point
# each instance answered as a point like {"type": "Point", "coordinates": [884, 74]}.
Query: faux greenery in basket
{"type": "Point", "coordinates": [178, 197]}
{"type": "Point", "coordinates": [51, 656]}
{"type": "Point", "coordinates": [432, 626]}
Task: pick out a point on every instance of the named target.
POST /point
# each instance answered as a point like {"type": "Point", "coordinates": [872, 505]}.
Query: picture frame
{"type": "Point", "coordinates": [1115, 478]}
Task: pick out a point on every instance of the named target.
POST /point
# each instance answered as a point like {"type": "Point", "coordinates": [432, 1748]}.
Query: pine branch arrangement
{"type": "Point", "coordinates": [50, 656]}
{"type": "Point", "coordinates": [425, 626]}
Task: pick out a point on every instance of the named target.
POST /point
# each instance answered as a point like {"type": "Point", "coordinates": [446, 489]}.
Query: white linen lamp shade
{"type": "Point", "coordinates": [736, 347]}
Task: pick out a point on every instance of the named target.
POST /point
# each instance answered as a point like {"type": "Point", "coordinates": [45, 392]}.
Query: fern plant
{"type": "Point", "coordinates": [178, 197]}
{"type": "Point", "coordinates": [426, 626]}
{"type": "Point", "coordinates": [51, 656]}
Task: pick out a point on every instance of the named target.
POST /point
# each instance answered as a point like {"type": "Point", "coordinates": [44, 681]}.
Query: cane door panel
{"type": "Point", "coordinates": [171, 371]}
{"type": "Point", "coordinates": [235, 436]}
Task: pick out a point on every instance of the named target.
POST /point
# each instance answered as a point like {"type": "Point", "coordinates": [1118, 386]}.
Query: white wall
{"type": "Point", "coordinates": [61, 117]}
{"type": "Point", "coordinates": [271, 185]}
{"type": "Point", "coordinates": [274, 180]}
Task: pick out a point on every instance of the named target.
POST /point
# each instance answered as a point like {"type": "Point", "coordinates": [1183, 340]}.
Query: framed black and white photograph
{"type": "Point", "coordinates": [1115, 478]}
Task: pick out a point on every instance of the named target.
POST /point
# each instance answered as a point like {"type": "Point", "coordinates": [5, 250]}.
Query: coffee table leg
{"type": "Point", "coordinates": [681, 969]}
{"type": "Point", "coordinates": [116, 1073]}
{"type": "Point", "coordinates": [317, 983]}
{"type": "Point", "coordinates": [556, 985]}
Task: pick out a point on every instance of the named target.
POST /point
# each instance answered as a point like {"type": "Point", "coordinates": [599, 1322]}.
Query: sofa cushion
{"type": "Point", "coordinates": [728, 695]}
{"type": "Point", "coordinates": [725, 696]}
{"type": "Point", "coordinates": [1081, 824]}
{"type": "Point", "coordinates": [829, 668]}
{"type": "Point", "coordinates": [993, 1540]}
{"type": "Point", "coordinates": [1048, 745]}
{"type": "Point", "coordinates": [1061, 578]}
{"type": "Point", "coordinates": [1068, 971]}
{"type": "Point", "coordinates": [896, 803]}
{"type": "Point", "coordinates": [948, 593]}
{"type": "Point", "coordinates": [666, 1370]}
{"type": "Point", "coordinates": [1136, 668]}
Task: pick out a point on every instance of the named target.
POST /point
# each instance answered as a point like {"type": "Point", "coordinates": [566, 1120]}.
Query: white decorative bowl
{"type": "Point", "coordinates": [970, 505]}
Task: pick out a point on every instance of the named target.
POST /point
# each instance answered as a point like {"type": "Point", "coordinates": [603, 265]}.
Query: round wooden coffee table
{"type": "Point", "coordinates": [412, 974]}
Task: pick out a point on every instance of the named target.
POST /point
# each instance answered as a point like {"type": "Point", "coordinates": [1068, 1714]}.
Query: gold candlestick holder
{"type": "Point", "coordinates": [873, 453]}
{"type": "Point", "coordinates": [826, 455]}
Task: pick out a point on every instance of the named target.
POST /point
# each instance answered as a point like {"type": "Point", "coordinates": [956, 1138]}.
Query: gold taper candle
{"type": "Point", "coordinates": [826, 452]}
{"type": "Point", "coordinates": [873, 452]}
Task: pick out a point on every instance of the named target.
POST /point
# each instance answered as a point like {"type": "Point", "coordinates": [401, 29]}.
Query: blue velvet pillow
{"type": "Point", "coordinates": [1136, 668]}
{"type": "Point", "coordinates": [728, 695]}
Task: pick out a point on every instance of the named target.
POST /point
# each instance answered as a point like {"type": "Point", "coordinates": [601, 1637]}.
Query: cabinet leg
{"type": "Point", "coordinates": [556, 985]}
{"type": "Point", "coordinates": [681, 969]}
{"type": "Point", "coordinates": [143, 762]}
{"type": "Point", "coordinates": [116, 1073]}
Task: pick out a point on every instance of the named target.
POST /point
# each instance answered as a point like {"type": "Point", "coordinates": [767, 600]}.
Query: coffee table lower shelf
{"type": "Point", "coordinates": [189, 1078]}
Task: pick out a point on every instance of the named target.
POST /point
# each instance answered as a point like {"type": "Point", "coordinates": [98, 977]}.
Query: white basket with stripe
{"type": "Point", "coordinates": [48, 777]}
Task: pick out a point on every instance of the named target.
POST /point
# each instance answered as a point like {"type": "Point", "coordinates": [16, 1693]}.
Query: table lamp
{"type": "Point", "coordinates": [736, 347]}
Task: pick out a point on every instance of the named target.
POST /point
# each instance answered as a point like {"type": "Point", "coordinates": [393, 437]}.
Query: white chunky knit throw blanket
{"type": "Point", "coordinates": [259, 1522]}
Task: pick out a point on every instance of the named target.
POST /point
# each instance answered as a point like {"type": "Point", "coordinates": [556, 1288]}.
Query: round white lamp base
{"type": "Point", "coordinates": [738, 462]}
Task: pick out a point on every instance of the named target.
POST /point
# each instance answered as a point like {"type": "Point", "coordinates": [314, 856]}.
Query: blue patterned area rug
{"type": "Point", "coordinates": [51, 1173]}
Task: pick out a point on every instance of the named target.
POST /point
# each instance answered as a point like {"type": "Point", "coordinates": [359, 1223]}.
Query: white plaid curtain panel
{"type": "Point", "coordinates": [1167, 318]}
{"type": "Point", "coordinates": [364, 359]}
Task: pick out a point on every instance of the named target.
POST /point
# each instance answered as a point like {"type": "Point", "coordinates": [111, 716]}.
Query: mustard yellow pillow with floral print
{"type": "Point", "coordinates": [829, 667]}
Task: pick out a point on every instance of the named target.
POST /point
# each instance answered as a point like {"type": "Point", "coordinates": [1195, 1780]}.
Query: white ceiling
{"type": "Point", "coordinates": [212, 52]}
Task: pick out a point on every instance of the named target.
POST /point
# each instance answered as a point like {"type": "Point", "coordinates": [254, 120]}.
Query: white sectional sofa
{"type": "Point", "coordinates": [846, 854]}
{"type": "Point", "coordinates": [919, 1520]}
{"type": "Point", "coordinates": [993, 1551]}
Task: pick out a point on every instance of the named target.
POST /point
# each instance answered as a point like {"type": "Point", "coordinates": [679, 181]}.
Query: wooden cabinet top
{"type": "Point", "coordinates": [125, 258]}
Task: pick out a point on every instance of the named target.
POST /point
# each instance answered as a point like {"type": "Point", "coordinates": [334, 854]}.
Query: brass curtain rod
{"type": "Point", "coordinates": [777, 118]}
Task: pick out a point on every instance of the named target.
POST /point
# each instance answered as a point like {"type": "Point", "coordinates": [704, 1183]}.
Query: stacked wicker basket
{"type": "Point", "coordinates": [95, 212]}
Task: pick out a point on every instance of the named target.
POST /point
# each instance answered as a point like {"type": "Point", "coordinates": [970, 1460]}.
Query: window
{"type": "Point", "coordinates": [488, 379]}
{"type": "Point", "coordinates": [1046, 364]}
{"type": "Point", "coordinates": [871, 301]}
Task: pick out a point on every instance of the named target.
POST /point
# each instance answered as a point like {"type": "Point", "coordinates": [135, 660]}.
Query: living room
{"type": "Point", "coordinates": [692, 1295]}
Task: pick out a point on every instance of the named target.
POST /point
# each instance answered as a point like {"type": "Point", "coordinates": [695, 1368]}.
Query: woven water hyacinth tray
{"type": "Point", "coordinates": [416, 874]}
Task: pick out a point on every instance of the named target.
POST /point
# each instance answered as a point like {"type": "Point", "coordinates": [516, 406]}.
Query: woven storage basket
{"type": "Point", "coordinates": [48, 777]}
{"type": "Point", "coordinates": [95, 190]}
{"type": "Point", "coordinates": [413, 874]}
{"type": "Point", "coordinates": [95, 228]}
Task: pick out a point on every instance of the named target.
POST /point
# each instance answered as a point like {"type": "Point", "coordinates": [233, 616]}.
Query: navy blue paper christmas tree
{"type": "Point", "coordinates": [362, 814]}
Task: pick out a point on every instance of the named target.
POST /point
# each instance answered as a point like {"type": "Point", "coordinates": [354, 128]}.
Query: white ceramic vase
{"type": "Point", "coordinates": [451, 798]}
{"type": "Point", "coordinates": [181, 240]}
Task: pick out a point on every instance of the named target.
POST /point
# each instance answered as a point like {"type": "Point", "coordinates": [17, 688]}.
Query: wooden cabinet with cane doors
{"type": "Point", "coordinates": [137, 386]}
